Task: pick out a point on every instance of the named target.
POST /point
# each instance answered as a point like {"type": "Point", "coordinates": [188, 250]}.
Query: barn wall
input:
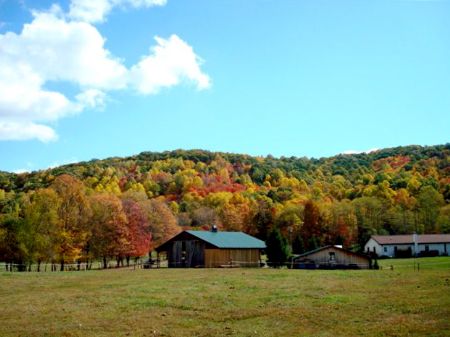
{"type": "Point", "coordinates": [241, 257]}
{"type": "Point", "coordinates": [191, 256]}
{"type": "Point", "coordinates": [341, 257]}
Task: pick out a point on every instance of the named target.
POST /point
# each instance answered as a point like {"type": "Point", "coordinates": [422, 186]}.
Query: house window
{"type": "Point", "coordinates": [332, 257]}
{"type": "Point", "coordinates": [385, 249]}
{"type": "Point", "coordinates": [427, 248]}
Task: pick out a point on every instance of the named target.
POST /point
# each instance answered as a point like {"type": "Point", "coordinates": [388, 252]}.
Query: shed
{"type": "Point", "coordinates": [212, 249]}
{"type": "Point", "coordinates": [331, 257]}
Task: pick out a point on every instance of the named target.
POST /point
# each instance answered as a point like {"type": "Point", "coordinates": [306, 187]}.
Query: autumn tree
{"type": "Point", "coordinates": [263, 218]}
{"type": "Point", "coordinates": [429, 203]}
{"type": "Point", "coordinates": [138, 229]}
{"type": "Point", "coordinates": [74, 215]}
{"type": "Point", "coordinates": [110, 233]}
{"type": "Point", "coordinates": [311, 230]}
{"type": "Point", "coordinates": [162, 223]}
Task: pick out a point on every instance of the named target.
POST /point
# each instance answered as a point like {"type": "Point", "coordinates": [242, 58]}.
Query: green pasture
{"type": "Point", "coordinates": [422, 263]}
{"type": "Point", "coordinates": [229, 302]}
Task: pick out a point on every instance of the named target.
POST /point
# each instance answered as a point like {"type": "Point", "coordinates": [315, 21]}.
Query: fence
{"type": "Point", "coordinates": [415, 265]}
{"type": "Point", "coordinates": [56, 267]}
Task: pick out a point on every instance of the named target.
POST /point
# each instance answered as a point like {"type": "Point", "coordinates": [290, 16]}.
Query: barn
{"type": "Point", "coordinates": [331, 257]}
{"type": "Point", "coordinates": [212, 249]}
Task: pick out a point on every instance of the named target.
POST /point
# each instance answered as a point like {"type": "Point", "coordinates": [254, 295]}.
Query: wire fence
{"type": "Point", "coordinates": [57, 267]}
{"type": "Point", "coordinates": [265, 264]}
{"type": "Point", "coordinates": [416, 265]}
{"type": "Point", "coordinates": [164, 263]}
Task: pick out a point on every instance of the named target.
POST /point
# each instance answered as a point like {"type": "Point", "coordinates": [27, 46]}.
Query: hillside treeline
{"type": "Point", "coordinates": [121, 208]}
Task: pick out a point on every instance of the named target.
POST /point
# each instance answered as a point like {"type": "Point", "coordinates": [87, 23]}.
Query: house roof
{"type": "Point", "coordinates": [229, 239]}
{"type": "Point", "coordinates": [232, 240]}
{"type": "Point", "coordinates": [331, 246]}
{"type": "Point", "coordinates": [408, 239]}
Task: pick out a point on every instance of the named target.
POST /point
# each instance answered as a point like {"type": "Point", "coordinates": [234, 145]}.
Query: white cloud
{"type": "Point", "coordinates": [96, 11]}
{"type": "Point", "coordinates": [55, 47]}
{"type": "Point", "coordinates": [358, 152]}
{"type": "Point", "coordinates": [63, 162]}
{"type": "Point", "coordinates": [170, 62]}
{"type": "Point", "coordinates": [61, 50]}
{"type": "Point", "coordinates": [91, 98]}
{"type": "Point", "coordinates": [90, 11]}
{"type": "Point", "coordinates": [26, 131]}
{"type": "Point", "coordinates": [21, 170]}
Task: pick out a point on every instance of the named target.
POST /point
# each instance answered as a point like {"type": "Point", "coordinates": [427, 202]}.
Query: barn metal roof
{"type": "Point", "coordinates": [229, 239]}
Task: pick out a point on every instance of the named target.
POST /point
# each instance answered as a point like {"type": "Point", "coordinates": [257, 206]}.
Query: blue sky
{"type": "Point", "coordinates": [288, 78]}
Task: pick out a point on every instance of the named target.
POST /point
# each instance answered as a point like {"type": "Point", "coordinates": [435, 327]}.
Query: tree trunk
{"type": "Point", "coordinates": [104, 262]}
{"type": "Point", "coordinates": [39, 266]}
{"type": "Point", "coordinates": [62, 265]}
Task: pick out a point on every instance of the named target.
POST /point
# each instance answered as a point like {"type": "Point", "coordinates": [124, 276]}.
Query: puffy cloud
{"type": "Point", "coordinates": [26, 131]}
{"type": "Point", "coordinates": [96, 11]}
{"type": "Point", "coordinates": [170, 62]}
{"type": "Point", "coordinates": [91, 98]}
{"type": "Point", "coordinates": [22, 97]}
{"type": "Point", "coordinates": [60, 50]}
{"type": "Point", "coordinates": [54, 48]}
{"type": "Point", "coordinates": [90, 11]}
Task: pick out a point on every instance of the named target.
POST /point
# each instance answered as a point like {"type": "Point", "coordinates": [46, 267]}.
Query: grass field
{"type": "Point", "coordinates": [230, 302]}
{"type": "Point", "coordinates": [423, 263]}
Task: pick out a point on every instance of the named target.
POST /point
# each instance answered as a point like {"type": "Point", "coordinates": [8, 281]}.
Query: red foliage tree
{"type": "Point", "coordinates": [138, 228]}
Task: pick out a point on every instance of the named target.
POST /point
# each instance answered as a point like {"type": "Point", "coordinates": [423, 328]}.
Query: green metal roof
{"type": "Point", "coordinates": [229, 239]}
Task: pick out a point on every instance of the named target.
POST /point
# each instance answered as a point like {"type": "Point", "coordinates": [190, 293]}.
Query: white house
{"type": "Point", "coordinates": [412, 244]}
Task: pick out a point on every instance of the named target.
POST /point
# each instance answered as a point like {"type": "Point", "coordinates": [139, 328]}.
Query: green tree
{"type": "Point", "coordinates": [277, 249]}
{"type": "Point", "coordinates": [297, 245]}
{"type": "Point", "coordinates": [40, 226]}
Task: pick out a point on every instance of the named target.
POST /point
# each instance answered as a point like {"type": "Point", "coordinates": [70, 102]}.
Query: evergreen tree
{"type": "Point", "coordinates": [277, 249]}
{"type": "Point", "coordinates": [313, 243]}
{"type": "Point", "coordinates": [297, 245]}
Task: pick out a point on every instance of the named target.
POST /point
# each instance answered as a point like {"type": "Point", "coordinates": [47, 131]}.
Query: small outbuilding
{"type": "Point", "coordinates": [331, 257]}
{"type": "Point", "coordinates": [212, 249]}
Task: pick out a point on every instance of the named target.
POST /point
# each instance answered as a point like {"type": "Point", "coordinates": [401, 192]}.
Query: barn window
{"type": "Point", "coordinates": [332, 256]}
{"type": "Point", "coordinates": [385, 249]}
{"type": "Point", "coordinates": [427, 248]}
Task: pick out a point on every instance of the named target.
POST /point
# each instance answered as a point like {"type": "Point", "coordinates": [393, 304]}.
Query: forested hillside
{"type": "Point", "coordinates": [122, 207]}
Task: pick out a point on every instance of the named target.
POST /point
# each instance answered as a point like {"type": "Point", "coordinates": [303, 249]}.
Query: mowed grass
{"type": "Point", "coordinates": [422, 263]}
{"type": "Point", "coordinates": [227, 302]}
